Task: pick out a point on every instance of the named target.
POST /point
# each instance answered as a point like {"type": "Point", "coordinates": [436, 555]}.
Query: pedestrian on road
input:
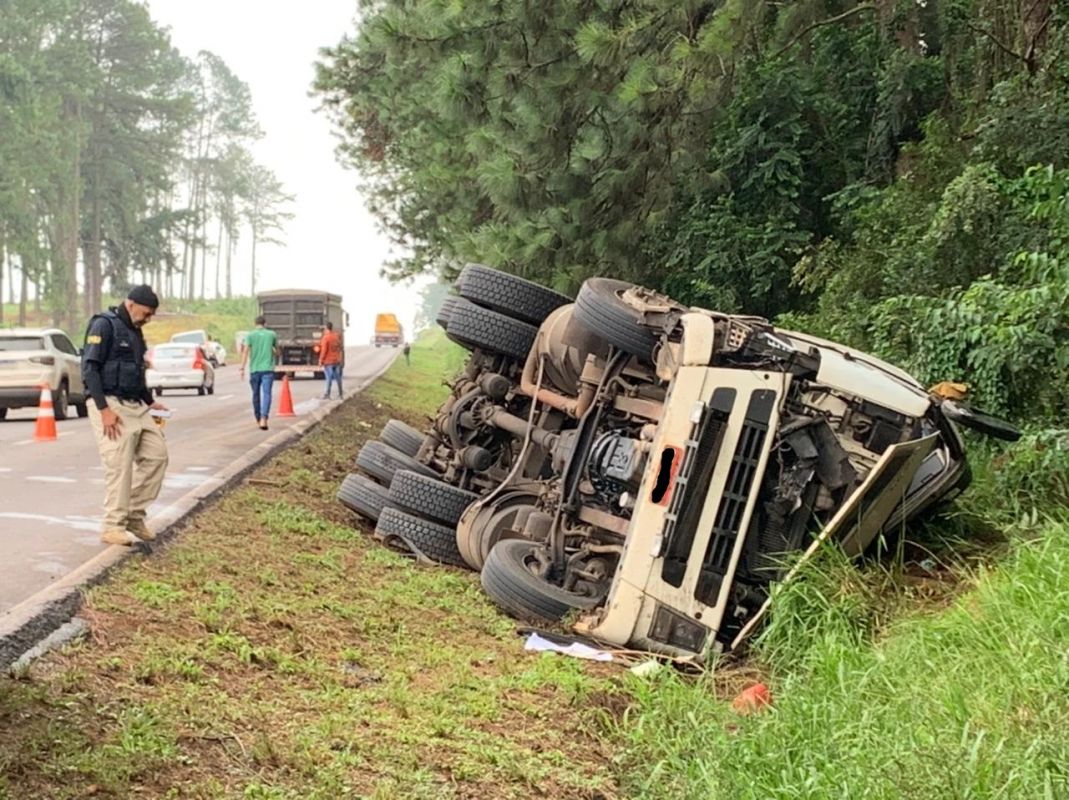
{"type": "Point", "coordinates": [132, 449]}
{"type": "Point", "coordinates": [406, 351]}
{"type": "Point", "coordinates": [330, 358]}
{"type": "Point", "coordinates": [260, 352]}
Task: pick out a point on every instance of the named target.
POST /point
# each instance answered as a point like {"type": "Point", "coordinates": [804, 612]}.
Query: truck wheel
{"type": "Point", "coordinates": [3, 414]}
{"type": "Point", "coordinates": [382, 462]}
{"type": "Point", "coordinates": [319, 375]}
{"type": "Point", "coordinates": [401, 436]}
{"type": "Point", "coordinates": [508, 577]}
{"type": "Point", "coordinates": [364, 496]}
{"type": "Point", "coordinates": [430, 497]}
{"type": "Point", "coordinates": [446, 309]}
{"type": "Point", "coordinates": [508, 294]}
{"type": "Point", "coordinates": [476, 327]}
{"type": "Point", "coordinates": [601, 308]}
{"type": "Point", "coordinates": [82, 408]}
{"type": "Point", "coordinates": [428, 540]}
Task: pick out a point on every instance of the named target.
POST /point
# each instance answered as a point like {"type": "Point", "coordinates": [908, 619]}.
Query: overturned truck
{"type": "Point", "coordinates": [646, 470]}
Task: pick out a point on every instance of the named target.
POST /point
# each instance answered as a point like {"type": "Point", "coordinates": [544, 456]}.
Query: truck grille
{"type": "Point", "coordinates": [741, 477]}
{"type": "Point", "coordinates": [700, 454]}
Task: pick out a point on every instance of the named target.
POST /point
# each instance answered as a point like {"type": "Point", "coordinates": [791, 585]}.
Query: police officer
{"type": "Point", "coordinates": [131, 445]}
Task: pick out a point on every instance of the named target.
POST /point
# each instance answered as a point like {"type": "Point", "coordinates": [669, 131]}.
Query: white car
{"type": "Point", "coordinates": [179, 365]}
{"type": "Point", "coordinates": [32, 357]}
{"type": "Point", "coordinates": [214, 350]}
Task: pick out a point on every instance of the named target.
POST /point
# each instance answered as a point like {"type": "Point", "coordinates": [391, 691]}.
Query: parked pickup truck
{"type": "Point", "coordinates": [297, 317]}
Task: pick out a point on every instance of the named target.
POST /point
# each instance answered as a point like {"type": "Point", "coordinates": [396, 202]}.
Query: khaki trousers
{"type": "Point", "coordinates": [134, 463]}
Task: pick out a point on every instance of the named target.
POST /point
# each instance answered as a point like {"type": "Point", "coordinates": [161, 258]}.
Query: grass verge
{"type": "Point", "coordinates": [275, 651]}
{"type": "Point", "coordinates": [964, 702]}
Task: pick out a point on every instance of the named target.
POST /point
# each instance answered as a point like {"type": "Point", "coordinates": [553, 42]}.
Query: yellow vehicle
{"type": "Point", "coordinates": [388, 331]}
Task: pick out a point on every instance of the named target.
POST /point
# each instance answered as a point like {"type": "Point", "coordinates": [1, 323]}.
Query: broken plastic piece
{"type": "Point", "coordinates": [752, 699]}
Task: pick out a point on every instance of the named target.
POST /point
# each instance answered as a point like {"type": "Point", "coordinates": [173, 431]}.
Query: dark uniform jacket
{"type": "Point", "coordinates": [113, 361]}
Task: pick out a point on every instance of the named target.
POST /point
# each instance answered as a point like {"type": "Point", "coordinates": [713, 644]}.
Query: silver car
{"type": "Point", "coordinates": [34, 357]}
{"type": "Point", "coordinates": [177, 365]}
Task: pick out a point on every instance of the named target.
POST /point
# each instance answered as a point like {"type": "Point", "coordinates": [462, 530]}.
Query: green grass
{"type": "Point", "coordinates": [418, 387]}
{"type": "Point", "coordinates": [966, 702]}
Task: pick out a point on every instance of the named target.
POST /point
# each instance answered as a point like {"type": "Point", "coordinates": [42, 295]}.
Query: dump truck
{"type": "Point", "coordinates": [297, 317]}
{"type": "Point", "coordinates": [388, 331]}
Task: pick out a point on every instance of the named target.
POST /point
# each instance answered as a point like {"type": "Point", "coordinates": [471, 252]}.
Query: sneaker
{"type": "Point", "coordinates": [116, 536]}
{"type": "Point", "coordinates": [263, 424]}
{"type": "Point", "coordinates": [139, 529]}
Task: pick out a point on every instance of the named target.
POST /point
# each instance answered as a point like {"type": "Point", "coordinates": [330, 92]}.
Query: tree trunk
{"type": "Point", "coordinates": [92, 254]}
{"type": "Point", "coordinates": [204, 257]}
{"type": "Point", "coordinates": [3, 263]}
{"type": "Point", "coordinates": [218, 255]}
{"type": "Point", "coordinates": [24, 290]}
{"type": "Point", "coordinates": [229, 252]}
{"type": "Point", "coordinates": [253, 260]}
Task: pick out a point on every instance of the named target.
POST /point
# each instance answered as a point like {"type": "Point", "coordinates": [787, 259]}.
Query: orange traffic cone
{"type": "Point", "coordinates": [46, 417]}
{"type": "Point", "coordinates": [285, 403]}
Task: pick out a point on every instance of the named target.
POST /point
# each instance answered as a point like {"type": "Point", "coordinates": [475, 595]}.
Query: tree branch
{"type": "Point", "coordinates": [820, 24]}
{"type": "Point", "coordinates": [1004, 48]}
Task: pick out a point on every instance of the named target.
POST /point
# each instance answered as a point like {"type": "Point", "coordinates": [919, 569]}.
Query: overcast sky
{"type": "Point", "coordinates": [333, 242]}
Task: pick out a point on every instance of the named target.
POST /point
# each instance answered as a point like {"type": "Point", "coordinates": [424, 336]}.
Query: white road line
{"type": "Point", "coordinates": [79, 524]}
{"type": "Point", "coordinates": [50, 479]}
{"type": "Point", "coordinates": [224, 397]}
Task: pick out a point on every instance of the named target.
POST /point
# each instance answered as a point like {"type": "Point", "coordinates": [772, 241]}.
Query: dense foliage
{"type": "Point", "coordinates": [116, 152]}
{"type": "Point", "coordinates": [891, 173]}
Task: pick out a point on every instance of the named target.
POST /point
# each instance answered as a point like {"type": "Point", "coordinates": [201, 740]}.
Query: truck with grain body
{"type": "Point", "coordinates": [388, 330]}
{"type": "Point", "coordinates": [297, 317]}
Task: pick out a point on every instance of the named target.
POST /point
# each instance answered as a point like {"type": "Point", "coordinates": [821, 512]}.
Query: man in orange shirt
{"type": "Point", "coordinates": [330, 358]}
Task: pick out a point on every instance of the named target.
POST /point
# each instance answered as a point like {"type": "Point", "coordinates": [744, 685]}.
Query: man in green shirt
{"type": "Point", "coordinates": [260, 352]}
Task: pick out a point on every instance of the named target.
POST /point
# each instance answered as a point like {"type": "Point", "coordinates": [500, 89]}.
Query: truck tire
{"type": "Point", "coordinates": [428, 540]}
{"type": "Point", "coordinates": [519, 592]}
{"type": "Point", "coordinates": [361, 494]}
{"type": "Point", "coordinates": [382, 462]}
{"type": "Point", "coordinates": [508, 294]}
{"type": "Point", "coordinates": [480, 328]}
{"type": "Point", "coordinates": [445, 310]}
{"type": "Point", "coordinates": [601, 310]}
{"type": "Point", "coordinates": [430, 498]}
{"type": "Point", "coordinates": [401, 436]}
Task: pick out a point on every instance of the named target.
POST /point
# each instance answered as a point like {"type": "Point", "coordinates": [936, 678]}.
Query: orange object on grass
{"type": "Point", "coordinates": [752, 699]}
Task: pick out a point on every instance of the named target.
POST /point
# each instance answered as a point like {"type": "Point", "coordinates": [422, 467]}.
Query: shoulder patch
{"type": "Point", "coordinates": [92, 339]}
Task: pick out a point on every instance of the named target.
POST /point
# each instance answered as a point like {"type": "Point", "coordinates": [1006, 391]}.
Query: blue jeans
{"type": "Point", "coordinates": [333, 373]}
{"type": "Point", "coordinates": [261, 383]}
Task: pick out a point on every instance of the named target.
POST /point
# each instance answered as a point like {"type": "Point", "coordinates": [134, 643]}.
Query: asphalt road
{"type": "Point", "coordinates": [51, 492]}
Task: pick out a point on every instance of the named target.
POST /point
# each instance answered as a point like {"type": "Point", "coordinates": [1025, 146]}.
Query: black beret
{"type": "Point", "coordinates": [144, 295]}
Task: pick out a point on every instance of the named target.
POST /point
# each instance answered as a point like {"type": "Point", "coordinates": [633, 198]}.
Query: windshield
{"type": "Point", "coordinates": [195, 337]}
{"type": "Point", "coordinates": [13, 343]}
